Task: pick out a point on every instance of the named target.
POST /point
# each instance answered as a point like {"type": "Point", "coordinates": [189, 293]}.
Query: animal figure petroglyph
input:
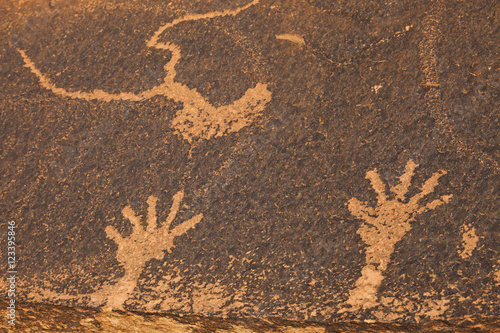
{"type": "Point", "coordinates": [134, 252]}
{"type": "Point", "coordinates": [385, 225]}
{"type": "Point", "coordinates": [199, 119]}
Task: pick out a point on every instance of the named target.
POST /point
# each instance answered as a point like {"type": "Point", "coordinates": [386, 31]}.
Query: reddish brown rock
{"type": "Point", "coordinates": [305, 160]}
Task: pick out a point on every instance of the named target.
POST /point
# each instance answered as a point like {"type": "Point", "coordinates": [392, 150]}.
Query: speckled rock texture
{"type": "Point", "coordinates": [56, 318]}
{"type": "Point", "coordinates": [308, 160]}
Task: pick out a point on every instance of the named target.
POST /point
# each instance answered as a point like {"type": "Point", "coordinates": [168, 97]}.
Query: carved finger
{"type": "Point", "coordinates": [151, 218]}
{"type": "Point", "coordinates": [378, 185]}
{"type": "Point", "coordinates": [129, 214]}
{"type": "Point", "coordinates": [113, 234]}
{"type": "Point", "coordinates": [401, 189]}
{"type": "Point", "coordinates": [435, 203]}
{"type": "Point", "coordinates": [428, 187]}
{"type": "Point", "coordinates": [174, 209]}
{"type": "Point", "coordinates": [360, 210]}
{"type": "Point", "coordinates": [185, 226]}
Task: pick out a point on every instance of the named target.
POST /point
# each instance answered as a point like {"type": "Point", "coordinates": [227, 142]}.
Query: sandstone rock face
{"type": "Point", "coordinates": [308, 160]}
{"type": "Point", "coordinates": [56, 318]}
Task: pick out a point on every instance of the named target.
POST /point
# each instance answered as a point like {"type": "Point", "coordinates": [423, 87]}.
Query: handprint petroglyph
{"type": "Point", "coordinates": [198, 119]}
{"type": "Point", "coordinates": [133, 252]}
{"type": "Point", "coordinates": [145, 244]}
{"type": "Point", "coordinates": [384, 225]}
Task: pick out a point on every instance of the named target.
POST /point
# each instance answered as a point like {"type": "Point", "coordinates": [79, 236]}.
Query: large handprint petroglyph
{"type": "Point", "coordinates": [385, 225]}
{"type": "Point", "coordinates": [133, 252]}
{"type": "Point", "coordinates": [198, 119]}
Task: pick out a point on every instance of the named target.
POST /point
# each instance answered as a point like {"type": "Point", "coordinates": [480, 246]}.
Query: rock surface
{"type": "Point", "coordinates": [54, 318]}
{"type": "Point", "coordinates": [309, 160]}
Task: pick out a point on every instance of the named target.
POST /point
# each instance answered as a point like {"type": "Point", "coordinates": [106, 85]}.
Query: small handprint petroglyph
{"type": "Point", "coordinates": [384, 225]}
{"type": "Point", "coordinates": [133, 252]}
{"type": "Point", "coordinates": [144, 244]}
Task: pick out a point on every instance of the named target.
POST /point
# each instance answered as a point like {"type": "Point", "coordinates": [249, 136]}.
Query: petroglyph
{"type": "Point", "coordinates": [376, 88]}
{"type": "Point", "coordinates": [469, 242]}
{"type": "Point", "coordinates": [133, 253]}
{"type": "Point", "coordinates": [385, 225]}
{"type": "Point", "coordinates": [294, 38]}
{"type": "Point", "coordinates": [144, 244]}
{"type": "Point", "coordinates": [199, 119]}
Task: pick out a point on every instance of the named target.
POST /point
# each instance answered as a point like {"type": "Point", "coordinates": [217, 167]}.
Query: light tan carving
{"type": "Point", "coordinates": [199, 119]}
{"type": "Point", "coordinates": [294, 38]}
{"type": "Point", "coordinates": [384, 225]}
{"type": "Point", "coordinates": [469, 242]}
{"type": "Point", "coordinates": [143, 245]}
{"type": "Point", "coordinates": [133, 253]}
